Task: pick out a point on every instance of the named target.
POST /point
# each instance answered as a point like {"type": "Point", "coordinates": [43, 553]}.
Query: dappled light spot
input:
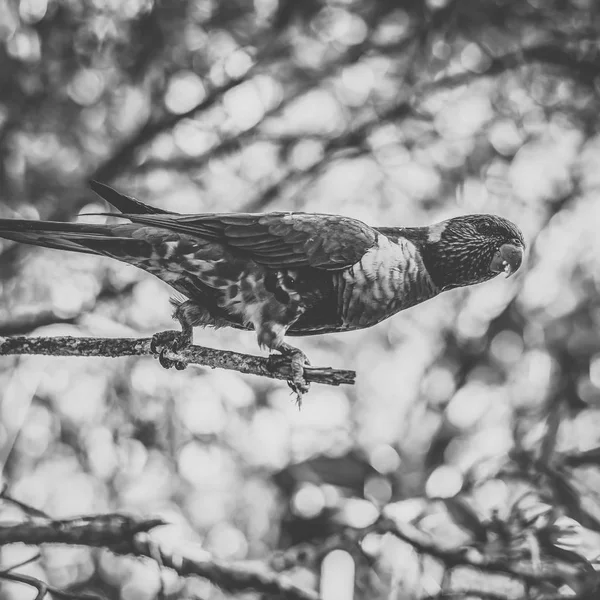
{"type": "Point", "coordinates": [143, 583]}
{"type": "Point", "coordinates": [273, 429]}
{"type": "Point", "coordinates": [507, 347]}
{"type": "Point", "coordinates": [306, 153]}
{"type": "Point", "coordinates": [405, 510]}
{"type": "Point", "coordinates": [334, 24]}
{"type": "Point", "coordinates": [317, 111]}
{"type": "Point", "coordinates": [506, 137]}
{"type": "Point", "coordinates": [359, 513]}
{"type": "Point", "coordinates": [202, 413]}
{"type": "Point", "coordinates": [203, 465]}
{"type": "Point", "coordinates": [247, 103]}
{"type": "Point", "coordinates": [227, 542]}
{"type": "Point", "coordinates": [595, 370]}
{"type": "Point", "coordinates": [393, 28]}
{"type": "Point", "coordinates": [32, 11]}
{"type": "Point", "coordinates": [37, 432]}
{"type": "Point", "coordinates": [438, 385]}
{"type": "Point", "coordinates": [473, 58]}
{"type": "Point", "coordinates": [192, 138]}
{"type": "Point", "coordinates": [86, 86]}
{"type": "Point", "coordinates": [357, 83]}
{"type": "Point", "coordinates": [185, 91]}
{"type": "Point", "coordinates": [24, 45]}
{"type": "Point", "coordinates": [337, 576]}
{"type": "Point", "coordinates": [464, 116]}
{"type": "Point", "coordinates": [469, 405]}
{"type": "Point", "coordinates": [384, 458]}
{"type": "Point", "coordinates": [238, 63]}
{"type": "Point", "coordinates": [308, 501]}
{"type": "Point", "coordinates": [445, 482]}
{"type": "Point", "coordinates": [378, 490]}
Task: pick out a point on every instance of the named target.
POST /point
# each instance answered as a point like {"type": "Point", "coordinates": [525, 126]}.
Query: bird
{"type": "Point", "coordinates": [284, 273]}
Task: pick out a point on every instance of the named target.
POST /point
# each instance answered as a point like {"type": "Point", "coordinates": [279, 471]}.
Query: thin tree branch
{"type": "Point", "coordinates": [233, 577]}
{"type": "Point", "coordinates": [28, 321]}
{"type": "Point", "coordinates": [460, 594]}
{"type": "Point", "coordinates": [122, 158]}
{"type": "Point", "coordinates": [471, 557]}
{"type": "Point", "coordinates": [114, 531]}
{"type": "Point", "coordinates": [583, 70]}
{"type": "Point", "coordinates": [348, 538]}
{"type": "Point", "coordinates": [43, 588]}
{"type": "Point", "coordinates": [275, 367]}
{"type": "Point", "coordinates": [585, 458]}
{"type": "Point", "coordinates": [119, 534]}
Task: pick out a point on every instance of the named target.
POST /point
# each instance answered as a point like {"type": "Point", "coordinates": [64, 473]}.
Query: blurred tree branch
{"type": "Point", "coordinates": [43, 589]}
{"type": "Point", "coordinates": [23, 323]}
{"type": "Point", "coordinates": [583, 69]}
{"type": "Point", "coordinates": [120, 534]}
{"type": "Point", "coordinates": [121, 159]}
{"type": "Point", "coordinates": [349, 539]}
{"type": "Point", "coordinates": [275, 367]}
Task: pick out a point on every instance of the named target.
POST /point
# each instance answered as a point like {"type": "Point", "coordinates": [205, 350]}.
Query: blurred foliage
{"type": "Point", "coordinates": [476, 416]}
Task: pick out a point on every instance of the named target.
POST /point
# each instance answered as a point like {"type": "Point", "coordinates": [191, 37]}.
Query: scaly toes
{"type": "Point", "coordinates": [298, 383]}
{"type": "Point", "coordinates": [169, 341]}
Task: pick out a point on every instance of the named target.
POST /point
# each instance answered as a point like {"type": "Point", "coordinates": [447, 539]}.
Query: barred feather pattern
{"type": "Point", "coordinates": [389, 278]}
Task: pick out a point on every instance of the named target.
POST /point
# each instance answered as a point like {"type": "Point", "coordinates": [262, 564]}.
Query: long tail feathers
{"type": "Point", "coordinates": [81, 237]}
{"type": "Point", "coordinates": [50, 234]}
{"type": "Point", "coordinates": [123, 203]}
{"type": "Point", "coordinates": [77, 237]}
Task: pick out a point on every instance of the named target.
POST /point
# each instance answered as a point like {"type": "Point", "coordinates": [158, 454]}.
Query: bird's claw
{"type": "Point", "coordinates": [169, 341]}
{"type": "Point", "coordinates": [298, 360]}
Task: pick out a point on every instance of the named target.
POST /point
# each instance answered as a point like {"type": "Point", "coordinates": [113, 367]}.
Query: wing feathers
{"type": "Point", "coordinates": [278, 240]}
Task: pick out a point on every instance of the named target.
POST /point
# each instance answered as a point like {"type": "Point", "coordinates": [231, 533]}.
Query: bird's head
{"type": "Point", "coordinates": [472, 249]}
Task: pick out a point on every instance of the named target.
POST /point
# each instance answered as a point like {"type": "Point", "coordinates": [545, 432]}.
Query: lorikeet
{"type": "Point", "coordinates": [286, 273]}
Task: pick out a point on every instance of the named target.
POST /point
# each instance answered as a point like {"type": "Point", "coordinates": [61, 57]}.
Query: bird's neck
{"type": "Point", "coordinates": [441, 266]}
{"type": "Point", "coordinates": [390, 277]}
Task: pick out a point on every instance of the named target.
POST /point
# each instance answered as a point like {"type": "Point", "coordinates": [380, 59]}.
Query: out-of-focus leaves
{"type": "Point", "coordinates": [569, 497]}
{"type": "Point", "coordinates": [395, 113]}
{"type": "Point", "coordinates": [466, 517]}
{"type": "Point", "coordinates": [348, 472]}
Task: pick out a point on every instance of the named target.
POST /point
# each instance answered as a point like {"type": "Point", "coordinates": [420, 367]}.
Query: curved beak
{"type": "Point", "coordinates": [508, 258]}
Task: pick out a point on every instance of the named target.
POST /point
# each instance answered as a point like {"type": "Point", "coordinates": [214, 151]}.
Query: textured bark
{"type": "Point", "coordinates": [275, 368]}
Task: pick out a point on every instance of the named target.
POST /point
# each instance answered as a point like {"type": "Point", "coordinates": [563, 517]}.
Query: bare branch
{"type": "Point", "coordinates": [123, 157]}
{"type": "Point", "coordinates": [43, 588]}
{"type": "Point", "coordinates": [233, 577]}
{"type": "Point", "coordinates": [27, 509]}
{"type": "Point", "coordinates": [582, 69]}
{"type": "Point", "coordinates": [275, 367]}
{"type": "Point", "coordinates": [28, 321]}
{"type": "Point", "coordinates": [119, 533]}
{"type": "Point", "coordinates": [349, 538]}
{"type": "Point", "coordinates": [585, 458]}
{"type": "Point", "coordinates": [114, 531]}
{"type": "Point", "coordinates": [471, 557]}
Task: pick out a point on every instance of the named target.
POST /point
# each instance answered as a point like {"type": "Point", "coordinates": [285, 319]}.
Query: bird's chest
{"type": "Point", "coordinates": [389, 278]}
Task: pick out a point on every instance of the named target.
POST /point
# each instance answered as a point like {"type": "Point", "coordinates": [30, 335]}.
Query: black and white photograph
{"type": "Point", "coordinates": [299, 300]}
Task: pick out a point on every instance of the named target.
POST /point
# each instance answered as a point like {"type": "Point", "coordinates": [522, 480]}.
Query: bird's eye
{"type": "Point", "coordinates": [289, 281]}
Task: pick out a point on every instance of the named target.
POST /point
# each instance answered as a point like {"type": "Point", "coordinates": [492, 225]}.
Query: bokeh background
{"type": "Point", "coordinates": [475, 417]}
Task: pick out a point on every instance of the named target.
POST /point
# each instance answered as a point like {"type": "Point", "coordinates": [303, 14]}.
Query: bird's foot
{"type": "Point", "coordinates": [169, 341]}
{"type": "Point", "coordinates": [298, 360]}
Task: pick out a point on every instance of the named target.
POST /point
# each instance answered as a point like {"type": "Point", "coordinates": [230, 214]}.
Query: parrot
{"type": "Point", "coordinates": [284, 273]}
